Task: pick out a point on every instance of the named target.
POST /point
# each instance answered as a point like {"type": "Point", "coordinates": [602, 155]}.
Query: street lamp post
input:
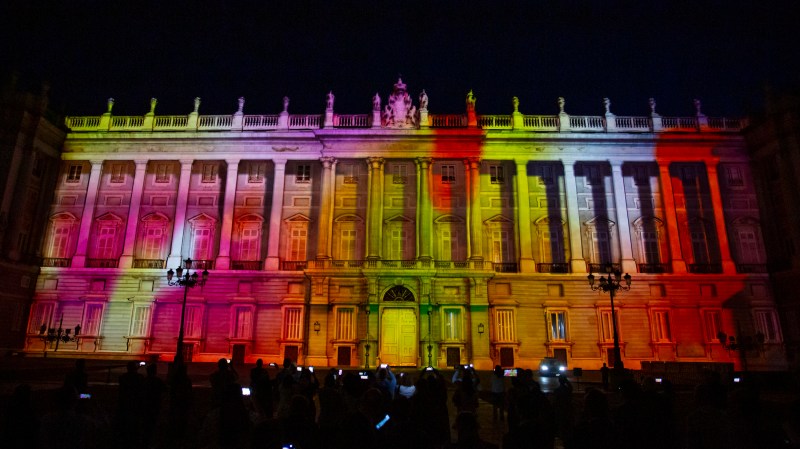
{"type": "Point", "coordinates": [186, 280]}
{"type": "Point", "coordinates": [50, 335]}
{"type": "Point", "coordinates": [610, 284]}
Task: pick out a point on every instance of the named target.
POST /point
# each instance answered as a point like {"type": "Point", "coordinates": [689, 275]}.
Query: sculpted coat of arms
{"type": "Point", "coordinates": [399, 111]}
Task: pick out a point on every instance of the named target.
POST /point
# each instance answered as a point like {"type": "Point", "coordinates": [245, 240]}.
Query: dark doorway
{"type": "Point", "coordinates": [453, 357]}
{"type": "Point", "coordinates": [343, 355]}
{"type": "Point", "coordinates": [507, 357]}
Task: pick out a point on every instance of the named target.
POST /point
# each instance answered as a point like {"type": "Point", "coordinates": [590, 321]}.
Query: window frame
{"type": "Point", "coordinates": [303, 174]}
{"type": "Point", "coordinates": [448, 173]}
{"type": "Point", "coordinates": [346, 323]}
{"type": "Point", "coordinates": [90, 326]}
{"type": "Point", "coordinates": [208, 174]}
{"type": "Point", "coordinates": [661, 324]}
{"type": "Point", "coordinates": [496, 174]}
{"type": "Point", "coordinates": [557, 325]}
{"type": "Point", "coordinates": [140, 327]}
{"type": "Point", "coordinates": [452, 330]}
{"type": "Point", "coordinates": [255, 172]}
{"type": "Point", "coordinates": [242, 329]}
{"type": "Point", "coordinates": [292, 331]}
{"type": "Point", "coordinates": [74, 173]}
{"type": "Point", "coordinates": [505, 329]}
{"type": "Point", "coordinates": [34, 328]}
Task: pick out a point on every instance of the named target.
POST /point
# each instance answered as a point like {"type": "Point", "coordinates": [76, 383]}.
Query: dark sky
{"type": "Point", "coordinates": [721, 52]}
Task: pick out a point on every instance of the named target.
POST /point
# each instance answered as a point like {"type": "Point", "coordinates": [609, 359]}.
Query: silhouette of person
{"type": "Point", "coordinates": [604, 376]}
{"type": "Point", "coordinates": [262, 388]}
{"type": "Point", "coordinates": [129, 406]}
{"type": "Point", "coordinates": [20, 421]}
{"type": "Point", "coordinates": [181, 401]}
{"type": "Point", "coordinates": [78, 378]}
{"type": "Point", "coordinates": [153, 392]}
{"type": "Point", "coordinates": [220, 380]}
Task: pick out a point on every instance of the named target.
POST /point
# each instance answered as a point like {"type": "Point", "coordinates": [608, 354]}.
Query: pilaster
{"type": "Point", "coordinates": [175, 259]}
{"type": "Point", "coordinates": [325, 213]}
{"type": "Point", "coordinates": [728, 266]}
{"type": "Point", "coordinates": [275, 214]}
{"type": "Point", "coordinates": [424, 212]}
{"type": "Point", "coordinates": [577, 262]}
{"type": "Point", "coordinates": [374, 222]}
{"type": "Point", "coordinates": [126, 261]}
{"type": "Point", "coordinates": [526, 261]}
{"type": "Point", "coordinates": [223, 256]}
{"type": "Point", "coordinates": [79, 259]}
{"type": "Point", "coordinates": [476, 225]}
{"type": "Point", "coordinates": [673, 234]}
{"type": "Point", "coordinates": [623, 222]}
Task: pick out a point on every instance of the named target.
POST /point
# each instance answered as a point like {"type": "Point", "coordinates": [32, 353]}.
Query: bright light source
{"type": "Point", "coordinates": [562, 368]}
{"type": "Point", "coordinates": [658, 380]}
{"type": "Point", "coordinates": [737, 379]}
{"type": "Point", "coordinates": [545, 368]}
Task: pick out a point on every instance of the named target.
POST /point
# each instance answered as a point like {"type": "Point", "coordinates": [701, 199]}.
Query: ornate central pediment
{"type": "Point", "coordinates": [399, 112]}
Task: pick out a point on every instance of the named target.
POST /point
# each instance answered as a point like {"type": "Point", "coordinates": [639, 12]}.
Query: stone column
{"type": "Point", "coordinates": [474, 198]}
{"type": "Point", "coordinates": [374, 226]}
{"type": "Point", "coordinates": [126, 261]}
{"type": "Point", "coordinates": [79, 259]}
{"type": "Point", "coordinates": [623, 222]}
{"type": "Point", "coordinates": [275, 214]}
{"type": "Point", "coordinates": [175, 255]}
{"type": "Point", "coordinates": [224, 255]}
{"type": "Point", "coordinates": [577, 262]}
{"type": "Point", "coordinates": [673, 235]}
{"type": "Point", "coordinates": [325, 205]}
{"type": "Point", "coordinates": [526, 262]}
{"type": "Point", "coordinates": [424, 212]}
{"type": "Point", "coordinates": [728, 266]}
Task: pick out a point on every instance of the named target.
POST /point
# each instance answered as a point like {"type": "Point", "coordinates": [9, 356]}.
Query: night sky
{"type": "Point", "coordinates": [722, 52]}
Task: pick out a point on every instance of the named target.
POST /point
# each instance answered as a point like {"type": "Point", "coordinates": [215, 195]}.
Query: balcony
{"type": "Point", "coordinates": [102, 263]}
{"type": "Point", "coordinates": [604, 267]}
{"type": "Point", "coordinates": [56, 262]}
{"type": "Point", "coordinates": [552, 268]}
{"type": "Point", "coordinates": [202, 265]}
{"type": "Point", "coordinates": [654, 268]}
{"type": "Point", "coordinates": [149, 263]}
{"type": "Point", "coordinates": [504, 267]}
{"type": "Point", "coordinates": [751, 268]}
{"type": "Point", "coordinates": [705, 268]}
{"type": "Point", "coordinates": [246, 265]}
{"type": "Point", "coordinates": [294, 265]}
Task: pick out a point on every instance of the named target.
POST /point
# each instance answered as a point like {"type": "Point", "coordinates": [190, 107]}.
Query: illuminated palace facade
{"type": "Point", "coordinates": [406, 237]}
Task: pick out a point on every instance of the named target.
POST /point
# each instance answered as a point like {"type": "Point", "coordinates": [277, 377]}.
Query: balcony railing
{"type": "Point", "coordinates": [751, 268]}
{"type": "Point", "coordinates": [148, 263]}
{"type": "Point", "coordinates": [504, 267]}
{"type": "Point", "coordinates": [56, 262]}
{"type": "Point", "coordinates": [654, 268]}
{"type": "Point", "coordinates": [102, 263]}
{"type": "Point", "coordinates": [552, 268]}
{"type": "Point", "coordinates": [352, 121]}
{"type": "Point", "coordinates": [246, 265]}
{"type": "Point", "coordinates": [603, 267]}
{"type": "Point", "coordinates": [294, 265]}
{"type": "Point", "coordinates": [705, 268]}
{"type": "Point", "coordinates": [202, 265]}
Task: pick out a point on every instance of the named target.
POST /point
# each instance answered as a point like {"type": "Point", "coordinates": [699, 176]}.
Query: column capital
{"type": "Point", "coordinates": [186, 162]}
{"type": "Point", "coordinates": [711, 164]}
{"type": "Point", "coordinates": [616, 164]}
{"type": "Point", "coordinates": [327, 161]}
{"type": "Point", "coordinates": [472, 162]}
{"type": "Point", "coordinates": [521, 161]}
{"type": "Point", "coordinates": [375, 162]}
{"type": "Point", "coordinates": [140, 163]}
{"type": "Point", "coordinates": [233, 161]}
{"type": "Point", "coordinates": [423, 162]}
{"type": "Point", "coordinates": [96, 163]}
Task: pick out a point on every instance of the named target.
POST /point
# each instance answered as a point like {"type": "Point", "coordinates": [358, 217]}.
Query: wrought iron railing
{"type": "Point", "coordinates": [202, 265]}
{"type": "Point", "coordinates": [148, 263]}
{"type": "Point", "coordinates": [751, 268]}
{"type": "Point", "coordinates": [294, 265]}
{"type": "Point", "coordinates": [654, 268]}
{"type": "Point", "coordinates": [505, 267]}
{"type": "Point", "coordinates": [552, 268]}
{"type": "Point", "coordinates": [59, 262]}
{"type": "Point", "coordinates": [705, 268]}
{"type": "Point", "coordinates": [102, 263]}
{"type": "Point", "coordinates": [604, 267]}
{"type": "Point", "coordinates": [246, 265]}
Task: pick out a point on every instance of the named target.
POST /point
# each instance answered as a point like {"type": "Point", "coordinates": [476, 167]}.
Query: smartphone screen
{"type": "Point", "coordinates": [510, 372]}
{"type": "Point", "coordinates": [85, 396]}
{"type": "Point", "coordinates": [245, 391]}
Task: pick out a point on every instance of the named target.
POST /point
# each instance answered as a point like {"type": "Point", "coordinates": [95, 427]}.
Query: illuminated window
{"type": "Point", "coordinates": [712, 323]}
{"type": "Point", "coordinates": [74, 173]}
{"type": "Point", "coordinates": [450, 247]}
{"type": "Point", "coordinates": [140, 321]}
{"type": "Point", "coordinates": [601, 247]}
{"type": "Point", "coordinates": [255, 172]}
{"type": "Point", "coordinates": [399, 174]}
{"type": "Point", "coordinates": [398, 243]}
{"type": "Point", "coordinates": [452, 328]}
{"type": "Point", "coordinates": [501, 251]}
{"type": "Point", "coordinates": [60, 239]}
{"type": "Point", "coordinates": [748, 244]}
{"type": "Point", "coordinates": [505, 327]}
{"type": "Point", "coordinates": [496, 174]}
{"type": "Point", "coordinates": [661, 326]}
{"type": "Point", "coordinates": [345, 323]}
{"type": "Point", "coordinates": [209, 173]}
{"type": "Point", "coordinates": [297, 241]}
{"type": "Point", "coordinates": [249, 242]}
{"type": "Point", "coordinates": [303, 174]}
{"type": "Point", "coordinates": [347, 244]}
{"type": "Point", "coordinates": [448, 174]}
{"type": "Point", "coordinates": [106, 242]}
{"type": "Point", "coordinates": [293, 323]}
{"type": "Point", "coordinates": [193, 328]}
{"type": "Point", "coordinates": [546, 175]}
{"type": "Point", "coordinates": [162, 173]}
{"type": "Point", "coordinates": [593, 174]}
{"type": "Point", "coordinates": [92, 318]}
{"type": "Point", "coordinates": [242, 322]}
{"type": "Point", "coordinates": [117, 173]}
{"type": "Point", "coordinates": [552, 245]}
{"type": "Point", "coordinates": [606, 327]}
{"type": "Point", "coordinates": [650, 247]}
{"type": "Point", "coordinates": [557, 325]}
{"type": "Point", "coordinates": [41, 313]}
{"type": "Point", "coordinates": [153, 242]}
{"type": "Point", "coordinates": [201, 244]}
{"type": "Point", "coordinates": [700, 249]}
{"type": "Point", "coordinates": [767, 323]}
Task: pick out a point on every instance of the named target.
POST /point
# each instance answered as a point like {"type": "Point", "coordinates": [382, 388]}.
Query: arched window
{"type": "Point", "coordinates": [152, 237]}
{"type": "Point", "coordinates": [107, 234]}
{"type": "Point", "coordinates": [249, 228]}
{"type": "Point", "coordinates": [202, 237]}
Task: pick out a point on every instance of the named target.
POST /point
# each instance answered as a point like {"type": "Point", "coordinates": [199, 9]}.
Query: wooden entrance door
{"type": "Point", "coordinates": [398, 337]}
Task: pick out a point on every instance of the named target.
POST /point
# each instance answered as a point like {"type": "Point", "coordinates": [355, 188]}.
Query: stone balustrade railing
{"type": "Point", "coordinates": [517, 122]}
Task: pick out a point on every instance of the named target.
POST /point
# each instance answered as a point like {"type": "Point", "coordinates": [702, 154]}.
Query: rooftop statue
{"type": "Point", "coordinates": [399, 112]}
{"type": "Point", "coordinates": [561, 103]}
{"type": "Point", "coordinates": [423, 100]}
{"type": "Point", "coordinates": [470, 101]}
{"type": "Point", "coordinates": [515, 103]}
{"type": "Point", "coordinates": [376, 102]}
{"type": "Point", "coordinates": [330, 99]}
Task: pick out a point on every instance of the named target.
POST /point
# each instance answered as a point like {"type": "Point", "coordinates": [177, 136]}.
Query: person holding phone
{"type": "Point", "coordinates": [386, 382]}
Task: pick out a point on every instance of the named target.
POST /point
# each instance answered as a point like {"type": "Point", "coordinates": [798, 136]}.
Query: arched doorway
{"type": "Point", "coordinates": [399, 341]}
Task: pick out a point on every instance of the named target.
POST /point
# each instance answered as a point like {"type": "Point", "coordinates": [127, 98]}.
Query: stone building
{"type": "Point", "coordinates": [29, 161]}
{"type": "Point", "coordinates": [406, 237]}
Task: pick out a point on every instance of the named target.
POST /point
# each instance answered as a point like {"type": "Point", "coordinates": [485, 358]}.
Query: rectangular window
{"type": "Point", "coordinates": [117, 173]}
{"type": "Point", "coordinates": [74, 173]}
{"type": "Point", "coordinates": [92, 317]}
{"type": "Point", "coordinates": [557, 323]}
{"type": "Point", "coordinates": [448, 174]}
{"type": "Point", "coordinates": [303, 174]}
{"type": "Point", "coordinates": [162, 173]}
{"type": "Point", "coordinates": [153, 241]}
{"type": "Point", "coordinates": [504, 326]}
{"type": "Point", "coordinates": [552, 246]}
{"type": "Point", "coordinates": [209, 173]}
{"type": "Point", "coordinates": [292, 323]}
{"type": "Point", "coordinates": [345, 323]}
{"type": "Point", "coordinates": [106, 240]}
{"type": "Point", "coordinates": [399, 174]}
{"type": "Point", "coordinates": [347, 244]}
{"type": "Point", "coordinates": [140, 321]}
{"type": "Point", "coordinates": [201, 244]}
{"type": "Point", "coordinates": [641, 175]}
{"type": "Point", "coordinates": [453, 325]}
{"type": "Point", "coordinates": [500, 248]}
{"type": "Point", "coordinates": [593, 174]}
{"type": "Point", "coordinates": [602, 247]}
{"type": "Point", "coordinates": [734, 176]}
{"type": "Point", "coordinates": [700, 247]}
{"type": "Point", "coordinates": [397, 244]}
{"type": "Point", "coordinates": [749, 249]}
{"type": "Point", "coordinates": [297, 244]}
{"type": "Point", "coordinates": [248, 244]}
{"type": "Point", "coordinates": [450, 248]}
{"type": "Point", "coordinates": [60, 241]}
{"type": "Point", "coordinates": [349, 173]}
{"type": "Point", "coordinates": [661, 327]}
{"type": "Point", "coordinates": [255, 172]}
{"type": "Point", "coordinates": [546, 177]}
{"type": "Point", "coordinates": [496, 174]}
{"type": "Point", "coordinates": [767, 324]}
{"type": "Point", "coordinates": [242, 323]}
{"type": "Point", "coordinates": [41, 313]}
{"type": "Point", "coordinates": [712, 321]}
{"type": "Point", "coordinates": [650, 247]}
{"type": "Point", "coordinates": [193, 327]}
{"type": "Point", "coordinates": [606, 327]}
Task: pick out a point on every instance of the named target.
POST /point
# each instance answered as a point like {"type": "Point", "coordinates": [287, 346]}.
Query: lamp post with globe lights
{"type": "Point", "coordinates": [613, 282]}
{"type": "Point", "coordinates": [186, 280]}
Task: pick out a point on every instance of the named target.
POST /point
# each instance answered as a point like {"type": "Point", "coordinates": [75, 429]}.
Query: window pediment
{"type": "Point", "coordinates": [297, 218]}
{"type": "Point", "coordinates": [250, 218]}
{"type": "Point", "coordinates": [155, 217]}
{"type": "Point", "coordinates": [447, 219]}
{"type": "Point", "coordinates": [202, 219]}
{"type": "Point", "coordinates": [109, 217]}
{"type": "Point", "coordinates": [348, 218]}
{"type": "Point", "coordinates": [600, 221]}
{"type": "Point", "coordinates": [63, 216]}
{"type": "Point", "coordinates": [398, 219]}
{"type": "Point", "coordinates": [498, 220]}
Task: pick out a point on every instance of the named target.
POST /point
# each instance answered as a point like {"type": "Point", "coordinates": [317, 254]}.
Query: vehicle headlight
{"type": "Point", "coordinates": [545, 368]}
{"type": "Point", "coordinates": [562, 368]}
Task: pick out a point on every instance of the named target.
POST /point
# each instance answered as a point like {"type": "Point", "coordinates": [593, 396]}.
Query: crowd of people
{"type": "Point", "coordinates": [288, 407]}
